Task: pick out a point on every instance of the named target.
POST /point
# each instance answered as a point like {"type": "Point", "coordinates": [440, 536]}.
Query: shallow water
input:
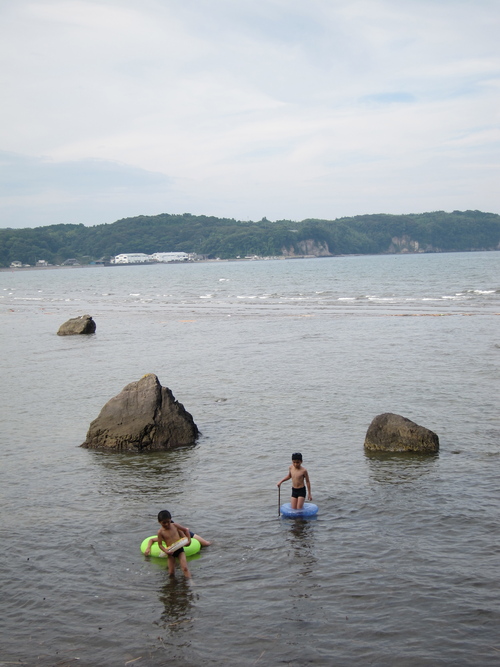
{"type": "Point", "coordinates": [400, 567]}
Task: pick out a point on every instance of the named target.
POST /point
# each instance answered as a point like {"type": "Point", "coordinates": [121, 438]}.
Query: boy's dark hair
{"type": "Point", "coordinates": [297, 457]}
{"type": "Point", "coordinates": [164, 515]}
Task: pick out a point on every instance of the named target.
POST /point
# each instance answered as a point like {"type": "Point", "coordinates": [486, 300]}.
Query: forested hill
{"type": "Point", "coordinates": [228, 238]}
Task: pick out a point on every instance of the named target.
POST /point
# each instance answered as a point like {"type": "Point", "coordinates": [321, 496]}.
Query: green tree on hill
{"type": "Point", "coordinates": [228, 238]}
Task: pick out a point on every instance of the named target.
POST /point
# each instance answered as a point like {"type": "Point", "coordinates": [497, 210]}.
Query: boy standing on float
{"type": "Point", "coordinates": [300, 477]}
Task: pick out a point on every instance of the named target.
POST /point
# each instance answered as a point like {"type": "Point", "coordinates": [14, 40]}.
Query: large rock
{"type": "Point", "coordinates": [144, 417]}
{"type": "Point", "coordinates": [77, 325]}
{"type": "Point", "coordinates": [393, 433]}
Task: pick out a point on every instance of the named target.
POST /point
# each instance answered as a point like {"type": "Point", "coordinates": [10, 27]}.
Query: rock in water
{"type": "Point", "coordinates": [393, 433]}
{"type": "Point", "coordinates": [144, 417]}
{"type": "Point", "coordinates": [77, 325]}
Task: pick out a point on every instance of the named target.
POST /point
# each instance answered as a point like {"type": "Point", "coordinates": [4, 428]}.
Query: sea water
{"type": "Point", "coordinates": [401, 565]}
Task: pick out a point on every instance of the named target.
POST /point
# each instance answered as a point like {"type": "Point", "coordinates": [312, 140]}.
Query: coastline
{"type": "Point", "coordinates": [198, 261]}
{"type": "Point", "coordinates": [236, 259]}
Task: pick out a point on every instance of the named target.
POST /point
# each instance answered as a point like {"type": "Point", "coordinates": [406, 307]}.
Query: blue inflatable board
{"type": "Point", "coordinates": [309, 509]}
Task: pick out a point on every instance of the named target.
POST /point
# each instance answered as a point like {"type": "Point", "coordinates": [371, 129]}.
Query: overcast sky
{"type": "Point", "coordinates": [247, 108]}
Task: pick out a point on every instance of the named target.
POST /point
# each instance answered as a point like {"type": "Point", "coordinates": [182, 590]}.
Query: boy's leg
{"type": "Point", "coordinates": [184, 565]}
{"type": "Point", "coordinates": [297, 501]}
{"type": "Point", "coordinates": [171, 565]}
{"type": "Point", "coordinates": [204, 543]}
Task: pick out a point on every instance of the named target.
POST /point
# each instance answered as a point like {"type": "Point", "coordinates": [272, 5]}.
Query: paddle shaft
{"type": "Point", "coordinates": [279, 502]}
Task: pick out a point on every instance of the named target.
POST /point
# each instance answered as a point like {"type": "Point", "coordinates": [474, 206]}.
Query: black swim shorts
{"type": "Point", "coordinates": [299, 493]}
{"type": "Point", "coordinates": [177, 552]}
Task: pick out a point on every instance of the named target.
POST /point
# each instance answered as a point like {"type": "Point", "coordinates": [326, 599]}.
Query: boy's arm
{"type": "Point", "coordinates": [160, 539]}
{"type": "Point", "coordinates": [147, 550]}
{"type": "Point", "coordinates": [308, 483]}
{"type": "Point", "coordinates": [183, 532]}
{"type": "Point", "coordinates": [179, 527]}
{"type": "Point", "coordinates": [285, 478]}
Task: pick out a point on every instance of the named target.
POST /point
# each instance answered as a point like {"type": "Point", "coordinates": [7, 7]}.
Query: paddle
{"type": "Point", "coordinates": [279, 503]}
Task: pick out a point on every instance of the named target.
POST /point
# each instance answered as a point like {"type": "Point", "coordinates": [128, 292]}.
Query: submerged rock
{"type": "Point", "coordinates": [77, 325]}
{"type": "Point", "coordinates": [144, 416]}
{"type": "Point", "coordinates": [392, 433]}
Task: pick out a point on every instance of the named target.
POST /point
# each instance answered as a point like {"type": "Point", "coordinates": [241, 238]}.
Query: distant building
{"type": "Point", "coordinates": [71, 262]}
{"type": "Point", "coordinates": [169, 257]}
{"type": "Point", "coordinates": [131, 258]}
{"type": "Point", "coordinates": [16, 265]}
{"type": "Point", "coordinates": [42, 262]}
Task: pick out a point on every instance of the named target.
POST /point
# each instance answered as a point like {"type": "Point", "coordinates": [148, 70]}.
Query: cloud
{"type": "Point", "coordinates": [22, 175]}
{"type": "Point", "coordinates": [389, 98]}
{"type": "Point", "coordinates": [249, 108]}
{"type": "Point", "coordinates": [50, 192]}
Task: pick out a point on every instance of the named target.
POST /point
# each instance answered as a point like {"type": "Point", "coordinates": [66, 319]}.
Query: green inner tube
{"type": "Point", "coordinates": [190, 550]}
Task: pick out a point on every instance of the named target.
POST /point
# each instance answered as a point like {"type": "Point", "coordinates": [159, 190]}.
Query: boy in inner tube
{"type": "Point", "coordinates": [170, 533]}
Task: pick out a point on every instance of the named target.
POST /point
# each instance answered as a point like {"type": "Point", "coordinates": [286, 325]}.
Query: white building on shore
{"type": "Point", "coordinates": [142, 258]}
{"type": "Point", "coordinates": [131, 258]}
{"type": "Point", "coordinates": [170, 257]}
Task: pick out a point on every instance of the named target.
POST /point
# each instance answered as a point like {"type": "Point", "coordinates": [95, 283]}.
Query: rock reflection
{"type": "Point", "coordinates": [399, 468]}
{"type": "Point", "coordinates": [177, 598]}
{"type": "Point", "coordinates": [142, 473]}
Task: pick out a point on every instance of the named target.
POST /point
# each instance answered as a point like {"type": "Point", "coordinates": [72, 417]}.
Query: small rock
{"type": "Point", "coordinates": [77, 325]}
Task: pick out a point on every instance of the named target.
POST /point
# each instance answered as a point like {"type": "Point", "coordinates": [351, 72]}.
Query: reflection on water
{"type": "Point", "coordinates": [177, 598]}
{"type": "Point", "coordinates": [151, 464]}
{"type": "Point", "coordinates": [401, 566]}
{"type": "Point", "coordinates": [300, 539]}
{"type": "Point", "coordinates": [399, 467]}
{"type": "Point", "coordinates": [143, 473]}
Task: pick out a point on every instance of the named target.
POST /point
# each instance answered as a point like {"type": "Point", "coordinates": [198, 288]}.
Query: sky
{"type": "Point", "coordinates": [245, 109]}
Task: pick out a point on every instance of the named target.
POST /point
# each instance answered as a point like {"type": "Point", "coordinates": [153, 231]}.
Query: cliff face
{"type": "Point", "coordinates": [406, 244]}
{"type": "Point", "coordinates": [308, 247]}
{"type": "Point", "coordinates": [398, 245]}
